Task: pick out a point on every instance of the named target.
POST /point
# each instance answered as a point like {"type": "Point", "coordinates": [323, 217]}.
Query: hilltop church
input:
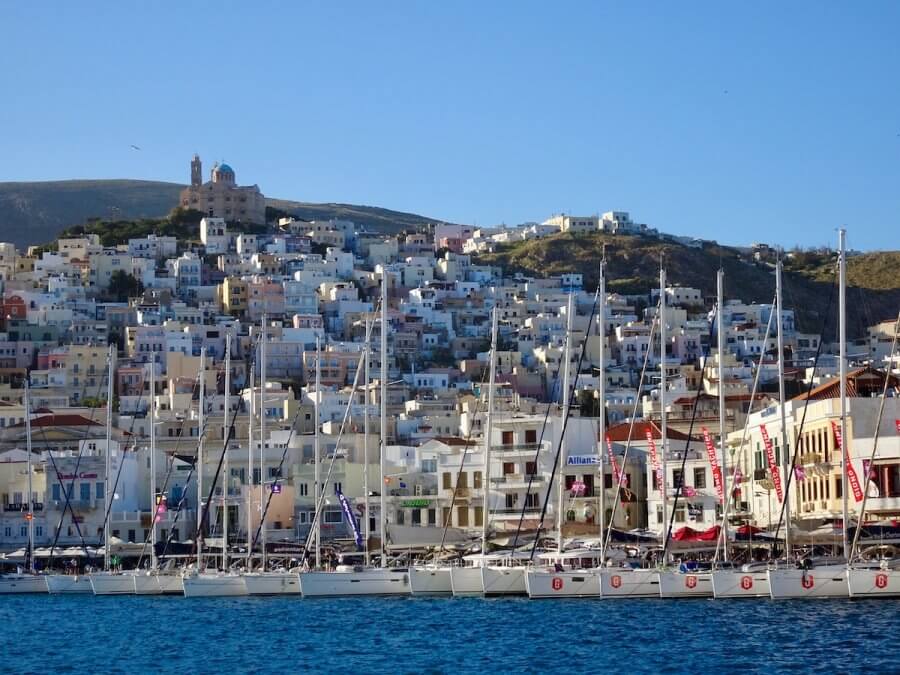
{"type": "Point", "coordinates": [222, 197]}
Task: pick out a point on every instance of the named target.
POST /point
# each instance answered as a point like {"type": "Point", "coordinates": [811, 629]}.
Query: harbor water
{"type": "Point", "coordinates": [86, 634]}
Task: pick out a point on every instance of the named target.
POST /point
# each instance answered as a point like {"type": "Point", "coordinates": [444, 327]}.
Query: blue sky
{"type": "Point", "coordinates": [739, 122]}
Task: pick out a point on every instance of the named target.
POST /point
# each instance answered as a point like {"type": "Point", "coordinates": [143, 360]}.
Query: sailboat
{"type": "Point", "coordinates": [26, 581]}
{"type": "Point", "coordinates": [263, 581]}
{"type": "Point", "coordinates": [466, 579]}
{"type": "Point", "coordinates": [877, 578]}
{"type": "Point", "coordinates": [110, 581]}
{"type": "Point", "coordinates": [351, 579]}
{"type": "Point", "coordinates": [223, 582]}
{"type": "Point", "coordinates": [825, 578]}
{"type": "Point", "coordinates": [688, 580]}
{"type": "Point", "coordinates": [552, 579]}
{"type": "Point", "coordinates": [750, 580]}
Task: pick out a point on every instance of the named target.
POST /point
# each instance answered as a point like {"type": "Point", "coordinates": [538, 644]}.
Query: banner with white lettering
{"type": "Point", "coordinates": [714, 463]}
{"type": "Point", "coordinates": [348, 513]}
{"type": "Point", "coordinates": [618, 475]}
{"type": "Point", "coordinates": [770, 457]}
{"type": "Point", "coordinates": [654, 459]}
{"type": "Point", "coordinates": [852, 478]}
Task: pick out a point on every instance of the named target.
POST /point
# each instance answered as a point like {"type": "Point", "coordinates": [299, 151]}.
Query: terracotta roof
{"type": "Point", "coordinates": [832, 388]}
{"type": "Point", "coordinates": [60, 420]}
{"type": "Point", "coordinates": [618, 433]}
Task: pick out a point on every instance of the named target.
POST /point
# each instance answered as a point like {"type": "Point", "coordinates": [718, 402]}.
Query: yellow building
{"type": "Point", "coordinates": [233, 295]}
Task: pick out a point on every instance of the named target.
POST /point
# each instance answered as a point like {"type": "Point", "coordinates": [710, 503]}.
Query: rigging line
{"type": "Point", "coordinates": [284, 452]}
{"type": "Point", "coordinates": [609, 527]}
{"type": "Point", "coordinates": [566, 415]}
{"type": "Point", "coordinates": [887, 379]}
{"type": "Point", "coordinates": [789, 478]}
{"type": "Point", "coordinates": [334, 456]}
{"type": "Point", "coordinates": [154, 507]}
{"type": "Point", "coordinates": [740, 455]}
{"type": "Point", "coordinates": [462, 462]}
{"type": "Point", "coordinates": [71, 486]}
{"type": "Point", "coordinates": [687, 442]}
{"type": "Point", "coordinates": [212, 488]}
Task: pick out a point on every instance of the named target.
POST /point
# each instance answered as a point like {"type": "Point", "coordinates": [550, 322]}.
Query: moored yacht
{"type": "Point", "coordinates": [822, 578]}
{"type": "Point", "coordinates": [20, 582]}
{"type": "Point", "coordinates": [690, 580]}
{"type": "Point", "coordinates": [570, 574]}
{"type": "Point", "coordinates": [875, 580]}
{"type": "Point", "coordinates": [747, 581]}
{"type": "Point", "coordinates": [112, 583]}
{"type": "Point", "coordinates": [213, 584]}
{"type": "Point", "coordinates": [68, 584]}
{"type": "Point", "coordinates": [280, 582]}
{"type": "Point", "coordinates": [629, 582]}
{"type": "Point", "coordinates": [355, 580]}
{"type": "Point", "coordinates": [158, 582]}
{"type": "Point", "coordinates": [430, 579]}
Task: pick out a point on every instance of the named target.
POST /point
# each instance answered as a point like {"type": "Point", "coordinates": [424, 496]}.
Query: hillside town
{"type": "Point", "coordinates": [252, 360]}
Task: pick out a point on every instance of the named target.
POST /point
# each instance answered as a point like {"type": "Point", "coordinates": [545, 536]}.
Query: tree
{"type": "Point", "coordinates": [123, 285]}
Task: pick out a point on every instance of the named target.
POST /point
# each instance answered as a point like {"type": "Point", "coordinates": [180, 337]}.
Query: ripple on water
{"type": "Point", "coordinates": [428, 635]}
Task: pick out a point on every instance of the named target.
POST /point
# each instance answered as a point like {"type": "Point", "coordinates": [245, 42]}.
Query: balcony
{"type": "Point", "coordinates": [516, 481]}
{"type": "Point", "coordinates": [521, 448]}
{"type": "Point", "coordinates": [515, 511]}
{"type": "Point", "coordinates": [36, 506]}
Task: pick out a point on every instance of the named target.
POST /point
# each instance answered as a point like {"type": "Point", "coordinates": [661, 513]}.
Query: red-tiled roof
{"type": "Point", "coordinates": [618, 433]}
{"type": "Point", "coordinates": [60, 420]}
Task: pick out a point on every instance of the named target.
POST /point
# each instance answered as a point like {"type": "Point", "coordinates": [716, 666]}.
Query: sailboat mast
{"type": "Point", "coordinates": [488, 430]}
{"type": "Point", "coordinates": [662, 396]}
{"type": "Point", "coordinates": [262, 435]}
{"type": "Point", "coordinates": [602, 392]}
{"type": "Point", "coordinates": [201, 423]}
{"type": "Point", "coordinates": [785, 455]}
{"type": "Point", "coordinates": [842, 338]}
{"type": "Point", "coordinates": [226, 478]}
{"type": "Point", "coordinates": [110, 366]}
{"type": "Point", "coordinates": [251, 383]}
{"type": "Point", "coordinates": [154, 563]}
{"type": "Point", "coordinates": [366, 441]}
{"type": "Point", "coordinates": [317, 451]}
{"type": "Point", "coordinates": [28, 469]}
{"type": "Point", "coordinates": [384, 376]}
{"type": "Point", "coordinates": [560, 479]}
{"type": "Point", "coordinates": [720, 347]}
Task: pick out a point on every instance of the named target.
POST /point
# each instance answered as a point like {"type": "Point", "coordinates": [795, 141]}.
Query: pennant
{"type": "Point", "coordinates": [714, 463]}
{"type": "Point", "coordinates": [770, 457]}
{"type": "Point", "coordinates": [852, 478]}
{"type": "Point", "coordinates": [348, 513]}
{"type": "Point", "coordinates": [654, 460]}
{"type": "Point", "coordinates": [618, 475]}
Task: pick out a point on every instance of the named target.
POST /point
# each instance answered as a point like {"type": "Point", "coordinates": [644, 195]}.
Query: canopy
{"type": "Point", "coordinates": [690, 534]}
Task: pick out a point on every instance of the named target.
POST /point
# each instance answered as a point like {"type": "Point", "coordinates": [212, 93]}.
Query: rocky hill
{"type": "Point", "coordinates": [36, 212]}
{"type": "Point", "coordinates": [633, 267]}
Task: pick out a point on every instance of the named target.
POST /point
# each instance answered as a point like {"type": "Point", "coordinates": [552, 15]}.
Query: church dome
{"type": "Point", "coordinates": [224, 168]}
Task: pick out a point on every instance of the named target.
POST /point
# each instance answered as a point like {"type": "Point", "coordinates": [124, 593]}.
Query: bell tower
{"type": "Point", "coordinates": [196, 172]}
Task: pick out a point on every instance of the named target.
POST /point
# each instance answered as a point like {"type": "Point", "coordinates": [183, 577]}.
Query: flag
{"type": "Point", "coordinates": [619, 476]}
{"type": "Point", "coordinates": [714, 463]}
{"type": "Point", "coordinates": [852, 478]}
{"type": "Point", "coordinates": [688, 491]}
{"type": "Point", "coordinates": [348, 513]}
{"type": "Point", "coordinates": [770, 457]}
{"type": "Point", "coordinates": [578, 488]}
{"type": "Point", "coordinates": [799, 473]}
{"type": "Point", "coordinates": [654, 459]}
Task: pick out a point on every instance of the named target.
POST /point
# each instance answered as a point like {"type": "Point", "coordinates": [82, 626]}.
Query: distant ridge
{"type": "Point", "coordinates": [36, 212]}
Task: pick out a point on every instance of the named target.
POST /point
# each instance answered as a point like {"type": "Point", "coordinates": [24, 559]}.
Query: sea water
{"type": "Point", "coordinates": [86, 634]}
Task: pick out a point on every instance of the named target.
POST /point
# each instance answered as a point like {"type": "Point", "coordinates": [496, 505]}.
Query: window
{"type": "Point", "coordinates": [462, 516]}
{"type": "Point", "coordinates": [508, 468]}
{"type": "Point", "coordinates": [445, 516]}
{"type": "Point", "coordinates": [417, 516]}
{"type": "Point", "coordinates": [477, 480]}
{"type": "Point", "coordinates": [659, 514]}
{"type": "Point", "coordinates": [532, 500]}
{"type": "Point", "coordinates": [401, 517]}
{"type": "Point", "coordinates": [446, 481]}
{"type": "Point", "coordinates": [99, 490]}
{"type": "Point", "coordinates": [531, 468]}
{"type": "Point", "coordinates": [304, 488]}
{"type": "Point", "coordinates": [677, 478]}
{"type": "Point", "coordinates": [429, 466]}
{"type": "Point", "coordinates": [511, 500]}
{"type": "Point", "coordinates": [39, 531]}
{"type": "Point", "coordinates": [531, 435]}
{"type": "Point", "coordinates": [700, 478]}
{"type": "Point", "coordinates": [432, 516]}
{"type": "Point", "coordinates": [679, 515]}
{"type": "Point", "coordinates": [7, 532]}
{"type": "Point", "coordinates": [85, 492]}
{"type": "Point", "coordinates": [333, 517]}
{"type": "Point", "coordinates": [131, 536]}
{"type": "Point", "coordinates": [337, 487]}
{"type": "Point", "coordinates": [479, 516]}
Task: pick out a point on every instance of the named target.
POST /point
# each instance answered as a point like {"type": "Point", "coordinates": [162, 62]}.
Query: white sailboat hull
{"type": "Point", "coordinates": [828, 581]}
{"type": "Point", "coordinates": [158, 584]}
{"type": "Point", "coordinates": [214, 585]}
{"type": "Point", "coordinates": [873, 583]}
{"type": "Point", "coordinates": [22, 583]}
{"type": "Point", "coordinates": [629, 583]}
{"type": "Point", "coordinates": [374, 581]}
{"type": "Point", "coordinates": [430, 581]}
{"type": "Point", "coordinates": [466, 581]}
{"type": "Point", "coordinates": [68, 584]}
{"type": "Point", "coordinates": [738, 584]}
{"type": "Point", "coordinates": [568, 584]}
{"type": "Point", "coordinates": [272, 583]}
{"type": "Point", "coordinates": [674, 584]}
{"type": "Point", "coordinates": [104, 583]}
{"type": "Point", "coordinates": [503, 581]}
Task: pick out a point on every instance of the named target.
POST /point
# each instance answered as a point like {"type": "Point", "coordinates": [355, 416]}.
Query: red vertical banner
{"type": "Point", "coordinates": [852, 478]}
{"type": "Point", "coordinates": [612, 460]}
{"type": "Point", "coordinates": [714, 463]}
{"type": "Point", "coordinates": [897, 423]}
{"type": "Point", "coordinates": [770, 457]}
{"type": "Point", "coordinates": [654, 460]}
